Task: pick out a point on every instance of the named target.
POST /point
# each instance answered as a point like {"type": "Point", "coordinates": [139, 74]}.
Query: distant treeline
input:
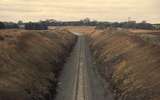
{"type": "Point", "coordinates": [8, 25]}
{"type": "Point", "coordinates": [28, 26]}
{"type": "Point", "coordinates": [43, 25]}
{"type": "Point", "coordinates": [84, 22]}
{"type": "Point", "coordinates": [101, 25]}
{"type": "Point", "coordinates": [132, 25]}
{"type": "Point", "coordinates": [36, 26]}
{"type": "Point", "coordinates": [157, 26]}
{"type": "Point", "coordinates": [2, 26]}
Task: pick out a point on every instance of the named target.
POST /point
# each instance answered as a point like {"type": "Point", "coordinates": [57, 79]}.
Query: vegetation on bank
{"type": "Point", "coordinates": [30, 62]}
{"type": "Point", "coordinates": [129, 63]}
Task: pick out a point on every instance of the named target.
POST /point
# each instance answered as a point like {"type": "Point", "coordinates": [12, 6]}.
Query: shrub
{"type": "Point", "coordinates": [2, 26]}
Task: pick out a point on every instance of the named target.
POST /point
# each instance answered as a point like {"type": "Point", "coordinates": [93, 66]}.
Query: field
{"type": "Point", "coordinates": [79, 29]}
{"type": "Point", "coordinates": [144, 31]}
{"type": "Point", "coordinates": [129, 61]}
{"type": "Point", "coordinates": [30, 62]}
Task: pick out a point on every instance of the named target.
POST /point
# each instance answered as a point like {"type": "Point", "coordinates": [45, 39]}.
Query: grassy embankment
{"type": "Point", "coordinates": [30, 62]}
{"type": "Point", "coordinates": [130, 63]}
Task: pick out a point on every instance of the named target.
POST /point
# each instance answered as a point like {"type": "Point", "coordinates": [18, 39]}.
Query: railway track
{"type": "Point", "coordinates": [78, 81]}
{"type": "Point", "coordinates": [82, 90]}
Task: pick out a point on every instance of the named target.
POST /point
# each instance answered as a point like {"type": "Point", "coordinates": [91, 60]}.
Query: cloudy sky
{"type": "Point", "coordinates": [108, 10]}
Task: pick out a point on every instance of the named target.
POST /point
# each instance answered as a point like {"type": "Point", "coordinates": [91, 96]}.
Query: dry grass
{"type": "Point", "coordinates": [144, 31]}
{"type": "Point", "coordinates": [79, 29]}
{"type": "Point", "coordinates": [129, 63]}
{"type": "Point", "coordinates": [30, 62]}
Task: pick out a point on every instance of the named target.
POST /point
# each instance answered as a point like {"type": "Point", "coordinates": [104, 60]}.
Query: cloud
{"type": "Point", "coordinates": [76, 9]}
{"type": "Point", "coordinates": [17, 10]}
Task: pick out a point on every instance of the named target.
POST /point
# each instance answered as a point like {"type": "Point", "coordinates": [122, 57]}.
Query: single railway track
{"type": "Point", "coordinates": [81, 79]}
{"type": "Point", "coordinates": [78, 80]}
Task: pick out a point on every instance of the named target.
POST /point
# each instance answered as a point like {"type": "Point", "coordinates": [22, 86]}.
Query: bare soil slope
{"type": "Point", "coordinates": [30, 62]}
{"type": "Point", "coordinates": [129, 63]}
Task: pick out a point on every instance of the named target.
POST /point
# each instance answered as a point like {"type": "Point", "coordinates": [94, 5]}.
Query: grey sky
{"type": "Point", "coordinates": [109, 10]}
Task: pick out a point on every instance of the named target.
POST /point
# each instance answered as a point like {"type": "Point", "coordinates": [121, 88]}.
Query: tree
{"type": "Point", "coordinates": [2, 26]}
{"type": "Point", "coordinates": [20, 22]}
{"type": "Point", "coordinates": [10, 25]}
{"type": "Point", "coordinates": [86, 21]}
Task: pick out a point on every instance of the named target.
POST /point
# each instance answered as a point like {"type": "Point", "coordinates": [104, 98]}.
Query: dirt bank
{"type": "Point", "coordinates": [30, 62]}
{"type": "Point", "coordinates": [130, 64]}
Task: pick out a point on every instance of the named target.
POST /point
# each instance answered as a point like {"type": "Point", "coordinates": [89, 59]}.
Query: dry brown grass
{"type": "Point", "coordinates": [30, 62]}
{"type": "Point", "coordinates": [79, 29]}
{"type": "Point", "coordinates": [144, 31]}
{"type": "Point", "coordinates": [150, 36]}
{"type": "Point", "coordinates": [129, 63]}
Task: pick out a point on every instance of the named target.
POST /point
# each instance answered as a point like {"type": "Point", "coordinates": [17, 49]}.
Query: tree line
{"type": "Point", "coordinates": [43, 25]}
{"type": "Point", "coordinates": [36, 26]}
{"type": "Point", "coordinates": [8, 25]}
{"type": "Point", "coordinates": [132, 25]}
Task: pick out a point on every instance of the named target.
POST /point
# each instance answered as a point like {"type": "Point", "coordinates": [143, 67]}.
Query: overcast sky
{"type": "Point", "coordinates": [108, 10]}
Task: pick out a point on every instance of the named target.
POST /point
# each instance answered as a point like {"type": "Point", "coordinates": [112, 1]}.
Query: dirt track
{"type": "Point", "coordinates": [79, 80]}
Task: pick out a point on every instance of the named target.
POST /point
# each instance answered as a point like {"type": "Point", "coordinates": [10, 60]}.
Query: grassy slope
{"type": "Point", "coordinates": [30, 62]}
{"type": "Point", "coordinates": [129, 63]}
